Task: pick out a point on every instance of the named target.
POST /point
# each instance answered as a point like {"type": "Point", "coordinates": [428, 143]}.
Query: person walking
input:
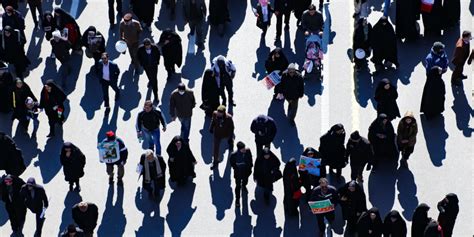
{"type": "Point", "coordinates": [265, 129]}
{"type": "Point", "coordinates": [219, 15]}
{"type": "Point", "coordinates": [353, 204]}
{"type": "Point", "coordinates": [308, 180]}
{"type": "Point", "coordinates": [384, 45]}
{"type": "Point", "coordinates": [61, 49]}
{"type": "Point", "coordinates": [148, 126]}
{"type": "Point", "coordinates": [94, 42]}
{"type": "Point", "coordinates": [406, 137]}
{"type": "Point", "coordinates": [460, 56]}
{"type": "Point", "coordinates": [111, 11]}
{"type": "Point", "coordinates": [291, 187]}
{"type": "Point", "coordinates": [68, 26]}
{"type": "Point", "coordinates": [145, 11]}
{"type": "Point", "coordinates": [108, 72]}
{"type": "Point", "coordinates": [241, 162]}
{"type": "Point", "coordinates": [266, 172]}
{"type": "Point", "coordinates": [283, 8]}
{"type": "Point", "coordinates": [291, 88]}
{"type": "Point", "coordinates": [113, 153]}
{"type": "Point", "coordinates": [181, 161]}
{"type": "Point", "coordinates": [13, 18]}
{"type": "Point", "coordinates": [324, 192]}
{"type": "Point", "coordinates": [195, 12]}
{"type": "Point", "coordinates": [36, 6]}
{"type": "Point", "coordinates": [222, 126]}
{"type": "Point", "coordinates": [85, 215]}
{"type": "Point", "coordinates": [436, 58]}
{"type": "Point", "coordinates": [394, 225]}
{"type": "Point", "coordinates": [264, 12]}
{"type": "Point", "coordinates": [52, 101]}
{"type": "Point", "coordinates": [10, 187]}
{"type": "Point", "coordinates": [448, 212]}
{"type": "Point", "coordinates": [360, 153]}
{"type": "Point", "coordinates": [182, 103]}
{"type": "Point", "coordinates": [72, 231]}
{"type": "Point", "coordinates": [130, 30]}
{"type": "Point", "coordinates": [434, 94]}
{"type": "Point", "coordinates": [35, 199]}
{"type": "Point", "coordinates": [12, 50]}
{"type": "Point", "coordinates": [420, 220]}
{"type": "Point", "coordinates": [20, 92]}
{"type": "Point", "coordinates": [73, 162]}
{"type": "Point", "coordinates": [382, 137]}
{"type": "Point", "coordinates": [153, 170]}
{"type": "Point", "coordinates": [386, 97]}
{"type": "Point", "coordinates": [312, 21]}
{"type": "Point", "coordinates": [332, 149]}
{"type": "Point", "coordinates": [224, 71]}
{"type": "Point", "coordinates": [210, 93]}
{"type": "Point", "coordinates": [172, 50]}
{"type": "Point", "coordinates": [370, 224]}
{"type": "Point", "coordinates": [149, 57]}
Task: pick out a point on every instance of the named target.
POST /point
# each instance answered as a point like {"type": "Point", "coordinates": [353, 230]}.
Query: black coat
{"type": "Point", "coordinates": [15, 207]}
{"type": "Point", "coordinates": [19, 96]}
{"type": "Point", "coordinates": [182, 164]}
{"type": "Point", "coordinates": [161, 180]}
{"type": "Point", "coordinates": [11, 159]}
{"type": "Point", "coordinates": [292, 87]}
{"type": "Point", "coordinates": [87, 220]}
{"type": "Point", "coordinates": [434, 91]}
{"type": "Point", "coordinates": [365, 223]}
{"type": "Point", "coordinates": [264, 128]}
{"type": "Point", "coordinates": [280, 63]}
{"type": "Point", "coordinates": [241, 163]}
{"type": "Point", "coordinates": [332, 148]}
{"type": "Point", "coordinates": [434, 21]}
{"type": "Point", "coordinates": [6, 84]}
{"type": "Point", "coordinates": [394, 229]}
{"type": "Point", "coordinates": [36, 203]}
{"type": "Point", "coordinates": [408, 13]}
{"type": "Point", "coordinates": [144, 9]}
{"type": "Point", "coordinates": [291, 185]}
{"type": "Point", "coordinates": [15, 21]}
{"type": "Point", "coordinates": [360, 153]}
{"type": "Point", "coordinates": [12, 50]}
{"type": "Point", "coordinates": [146, 59]}
{"type": "Point", "coordinates": [218, 12]}
{"type": "Point", "coordinates": [420, 220]}
{"type": "Point", "coordinates": [51, 99]}
{"type": "Point", "coordinates": [65, 20]}
{"type": "Point", "coordinates": [383, 147]}
{"type": "Point", "coordinates": [387, 100]}
{"type": "Point", "coordinates": [448, 212]}
{"type": "Point", "coordinates": [61, 49]}
{"type": "Point", "coordinates": [384, 43]}
{"type": "Point", "coordinates": [73, 166]}
{"type": "Point", "coordinates": [284, 6]}
{"type": "Point", "coordinates": [173, 50]}
{"type": "Point", "coordinates": [96, 49]}
{"type": "Point", "coordinates": [331, 195]}
{"type": "Point", "coordinates": [452, 12]}
{"type": "Point", "coordinates": [361, 39]}
{"type": "Point", "coordinates": [265, 169]}
{"type": "Point", "coordinates": [209, 92]}
{"type": "Point", "coordinates": [355, 204]}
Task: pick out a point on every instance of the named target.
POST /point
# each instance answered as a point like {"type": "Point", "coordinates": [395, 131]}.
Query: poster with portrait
{"type": "Point", "coordinates": [320, 207]}
{"type": "Point", "coordinates": [109, 151]}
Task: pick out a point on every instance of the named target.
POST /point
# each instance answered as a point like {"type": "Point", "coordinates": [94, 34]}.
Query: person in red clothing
{"type": "Point", "coordinates": [461, 55]}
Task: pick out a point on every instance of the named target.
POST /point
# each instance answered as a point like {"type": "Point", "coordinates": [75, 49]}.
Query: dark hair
{"type": "Point", "coordinates": [466, 33]}
{"type": "Point", "coordinates": [312, 7]}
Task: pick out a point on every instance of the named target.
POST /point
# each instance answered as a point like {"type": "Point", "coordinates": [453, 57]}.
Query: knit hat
{"type": "Point", "coordinates": [31, 181]}
{"type": "Point", "coordinates": [221, 108]}
{"type": "Point", "coordinates": [110, 134]}
{"type": "Point", "coordinates": [181, 86]}
{"type": "Point", "coordinates": [292, 66]}
{"type": "Point", "coordinates": [355, 135]}
{"type": "Point", "coordinates": [67, 145]}
{"type": "Point", "coordinates": [240, 145]}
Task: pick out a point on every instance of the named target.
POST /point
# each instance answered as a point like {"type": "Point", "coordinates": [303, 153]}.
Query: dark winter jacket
{"type": "Point", "coordinates": [394, 229]}
{"type": "Point", "coordinates": [114, 71]}
{"type": "Point", "coordinates": [265, 170]}
{"type": "Point", "coordinates": [359, 153]}
{"type": "Point", "coordinates": [387, 100]}
{"type": "Point", "coordinates": [36, 203]}
{"type": "Point", "coordinates": [366, 224]}
{"type": "Point", "coordinates": [331, 195]}
{"type": "Point", "coordinates": [420, 220]}
{"type": "Point", "coordinates": [73, 166]}
{"type": "Point", "coordinates": [222, 127]}
{"type": "Point", "coordinates": [11, 194]}
{"type": "Point", "coordinates": [87, 220]}
{"type": "Point", "coordinates": [448, 212]}
{"type": "Point", "coordinates": [180, 162]}
{"type": "Point", "coordinates": [241, 163]}
{"type": "Point", "coordinates": [11, 160]}
{"type": "Point", "coordinates": [147, 60]}
{"type": "Point", "coordinates": [355, 203]}
{"type": "Point", "coordinates": [173, 50]}
{"type": "Point", "coordinates": [280, 63]}
{"type": "Point", "coordinates": [200, 10]}
{"type": "Point", "coordinates": [153, 173]}
{"type": "Point", "coordinates": [264, 128]}
{"type": "Point", "coordinates": [332, 147]}
{"type": "Point", "coordinates": [61, 49]}
{"type": "Point", "coordinates": [292, 87]}
{"type": "Point", "coordinates": [150, 120]}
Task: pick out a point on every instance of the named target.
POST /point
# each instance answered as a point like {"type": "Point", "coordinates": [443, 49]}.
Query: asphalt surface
{"type": "Point", "coordinates": [441, 163]}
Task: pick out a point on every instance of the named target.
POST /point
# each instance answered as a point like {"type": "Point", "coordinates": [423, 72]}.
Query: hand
{"type": "Point", "coordinates": [344, 198]}
{"type": "Point", "coordinates": [171, 159]}
{"type": "Point", "coordinates": [173, 118]}
{"type": "Point", "coordinates": [306, 33]}
{"type": "Point", "coordinates": [55, 107]}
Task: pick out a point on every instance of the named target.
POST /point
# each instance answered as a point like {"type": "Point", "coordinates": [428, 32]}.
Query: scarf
{"type": "Point", "coordinates": [147, 168]}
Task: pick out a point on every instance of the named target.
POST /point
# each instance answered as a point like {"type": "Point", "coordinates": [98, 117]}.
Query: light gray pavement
{"type": "Point", "coordinates": [442, 161]}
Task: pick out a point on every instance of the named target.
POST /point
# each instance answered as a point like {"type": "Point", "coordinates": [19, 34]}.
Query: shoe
{"type": "Point", "coordinates": [292, 123]}
{"type": "Point", "coordinates": [78, 188]}
{"type": "Point", "coordinates": [244, 189]}
{"type": "Point", "coordinates": [51, 134]}
{"type": "Point", "coordinates": [214, 166]}
{"type": "Point", "coordinates": [237, 203]}
{"type": "Point", "coordinates": [70, 187]}
{"type": "Point", "coordinates": [111, 181]}
{"type": "Point", "coordinates": [119, 182]}
{"type": "Point", "coordinates": [463, 77]}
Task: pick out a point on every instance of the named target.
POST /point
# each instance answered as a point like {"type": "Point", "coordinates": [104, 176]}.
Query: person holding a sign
{"type": "Point", "coordinates": [224, 71]}
{"type": "Point", "coordinates": [291, 187]}
{"type": "Point", "coordinates": [323, 200]}
{"type": "Point", "coordinates": [309, 180]}
{"type": "Point", "coordinates": [108, 72]}
{"type": "Point", "coordinates": [266, 172]}
{"type": "Point", "coordinates": [276, 61]}
{"type": "Point", "coordinates": [153, 169]}
{"type": "Point", "coordinates": [292, 89]}
{"type": "Point", "coordinates": [94, 42]}
{"type": "Point", "coordinates": [353, 204]}
{"type": "Point", "coordinates": [360, 153]}
{"type": "Point", "coordinates": [113, 152]}
{"type": "Point", "coordinates": [36, 200]}
{"type": "Point", "coordinates": [332, 149]}
{"type": "Point", "coordinates": [384, 45]}
{"type": "Point", "coordinates": [85, 215]}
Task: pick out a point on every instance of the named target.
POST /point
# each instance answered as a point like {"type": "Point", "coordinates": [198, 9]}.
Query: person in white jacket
{"type": "Point", "coordinates": [224, 70]}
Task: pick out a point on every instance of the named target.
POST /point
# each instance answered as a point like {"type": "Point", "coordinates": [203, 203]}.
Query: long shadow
{"type": "Point", "coordinates": [153, 224]}
{"type": "Point", "coordinates": [463, 111]}
{"type": "Point", "coordinates": [34, 49]}
{"type": "Point", "coordinates": [435, 136]}
{"type": "Point", "coordinates": [262, 54]}
{"type": "Point", "coordinates": [220, 45]}
{"type": "Point", "coordinates": [113, 220]}
{"type": "Point", "coordinates": [375, 5]}
{"type": "Point", "coordinates": [363, 89]}
{"type": "Point", "coordinates": [92, 98]}
{"type": "Point", "coordinates": [312, 87]}
{"type": "Point", "coordinates": [407, 192]}
{"type": "Point", "coordinates": [71, 199]}
{"type": "Point", "coordinates": [112, 38]}
{"type": "Point", "coordinates": [180, 210]}
{"type": "Point", "coordinates": [193, 67]}
{"type": "Point", "coordinates": [243, 221]}
{"type": "Point", "coordinates": [67, 5]}
{"type": "Point", "coordinates": [449, 39]}
{"type": "Point", "coordinates": [328, 35]}
{"type": "Point", "coordinates": [75, 62]}
{"type": "Point", "coordinates": [108, 125]}
{"type": "Point", "coordinates": [299, 47]}
{"type": "Point", "coordinates": [266, 222]}
{"type": "Point", "coordinates": [382, 186]}
{"type": "Point", "coordinates": [410, 54]}
{"type": "Point", "coordinates": [170, 86]}
{"type": "Point", "coordinates": [308, 220]}
{"type": "Point", "coordinates": [27, 145]}
{"type": "Point", "coordinates": [206, 141]}
{"type": "Point", "coordinates": [292, 227]}
{"type": "Point", "coordinates": [6, 123]}
{"type": "Point", "coordinates": [287, 136]}
{"type": "Point", "coordinates": [48, 159]}
{"type": "Point", "coordinates": [3, 214]}
{"type": "Point", "coordinates": [50, 70]}
{"type": "Point", "coordinates": [471, 7]}
{"type": "Point", "coordinates": [130, 94]}
{"type": "Point", "coordinates": [221, 191]}
{"type": "Point", "coordinates": [164, 21]}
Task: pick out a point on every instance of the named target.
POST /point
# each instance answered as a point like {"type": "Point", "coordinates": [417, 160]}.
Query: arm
{"type": "Point", "coordinates": [213, 123]}
{"type": "Point", "coordinates": [193, 100]}
{"type": "Point", "coordinates": [162, 120]}
{"type": "Point", "coordinates": [138, 125]}
{"type": "Point", "coordinates": [172, 106]}
{"type": "Point", "coordinates": [44, 198]}
{"type": "Point", "coordinates": [123, 151]}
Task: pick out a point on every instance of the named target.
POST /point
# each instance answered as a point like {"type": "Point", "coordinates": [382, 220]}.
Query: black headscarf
{"type": "Point", "coordinates": [420, 220]}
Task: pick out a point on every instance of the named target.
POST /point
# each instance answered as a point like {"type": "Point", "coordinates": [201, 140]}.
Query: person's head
{"type": "Point", "coordinates": [373, 216]}
{"type": "Point", "coordinates": [67, 146]}
{"type": "Point", "coordinates": [383, 118]}
{"type": "Point", "coordinates": [30, 183]}
{"type": "Point", "coordinates": [181, 88]}
{"type": "Point", "coordinates": [338, 129]}
{"type": "Point", "coordinates": [241, 147]}
{"type": "Point", "coordinates": [466, 35]}
{"type": "Point", "coordinates": [8, 180]}
{"type": "Point", "coordinates": [9, 10]}
{"type": "Point", "coordinates": [71, 230]}
{"type": "Point", "coordinates": [386, 83]}
{"type": "Point", "coordinates": [110, 135]}
{"type": "Point", "coordinates": [148, 106]}
{"type": "Point", "coordinates": [147, 43]}
{"type": "Point", "coordinates": [352, 186]}
{"type": "Point", "coordinates": [7, 30]}
{"type": "Point", "coordinates": [291, 69]}
{"type": "Point", "coordinates": [438, 47]}
{"type": "Point", "coordinates": [263, 2]}
{"type": "Point", "coordinates": [323, 184]}
{"type": "Point", "coordinates": [310, 153]}
{"type": "Point", "coordinates": [312, 9]}
{"type": "Point", "coordinates": [355, 136]}
{"type": "Point", "coordinates": [105, 57]}
{"type": "Point", "coordinates": [83, 206]}
{"type": "Point", "coordinates": [221, 111]}
{"type": "Point", "coordinates": [266, 153]}
{"type": "Point", "coordinates": [149, 154]}
{"type": "Point", "coordinates": [19, 83]}
{"type": "Point", "coordinates": [127, 18]}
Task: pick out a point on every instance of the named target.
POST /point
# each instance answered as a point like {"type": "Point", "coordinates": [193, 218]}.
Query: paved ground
{"type": "Point", "coordinates": [440, 164]}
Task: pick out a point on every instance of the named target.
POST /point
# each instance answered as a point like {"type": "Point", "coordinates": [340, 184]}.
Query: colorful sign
{"type": "Point", "coordinates": [312, 165]}
{"type": "Point", "coordinates": [320, 207]}
{"type": "Point", "coordinates": [109, 151]}
{"type": "Point", "coordinates": [272, 79]}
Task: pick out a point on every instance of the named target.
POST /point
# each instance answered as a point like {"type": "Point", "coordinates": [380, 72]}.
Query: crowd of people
{"type": "Point", "coordinates": [383, 143]}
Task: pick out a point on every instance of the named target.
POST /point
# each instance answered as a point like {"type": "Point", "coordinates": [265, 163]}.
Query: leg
{"type": "Point", "coordinates": [292, 109]}
{"type": "Point", "coordinates": [52, 124]}
{"type": "Point", "coordinates": [116, 90]}
{"type": "Point", "coordinates": [105, 92]}
{"type": "Point", "coordinates": [354, 172]}
{"type": "Point", "coordinates": [120, 172]}
{"type": "Point", "coordinates": [200, 34]}
{"type": "Point", "coordinates": [152, 74]}
{"type": "Point", "coordinates": [185, 128]}
{"type": "Point", "coordinates": [39, 224]}
{"type": "Point", "coordinates": [457, 74]}
{"type": "Point", "coordinates": [147, 137]}
{"type": "Point", "coordinates": [321, 225]}
{"type": "Point", "coordinates": [119, 7]}
{"type": "Point", "coordinates": [35, 126]}
{"type": "Point", "coordinates": [238, 186]}
{"type": "Point", "coordinates": [279, 24]}
{"type": "Point", "coordinates": [215, 147]}
{"type": "Point", "coordinates": [111, 11]}
{"type": "Point", "coordinates": [156, 140]}
{"type": "Point", "coordinates": [229, 88]}
{"type": "Point", "coordinates": [110, 172]}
